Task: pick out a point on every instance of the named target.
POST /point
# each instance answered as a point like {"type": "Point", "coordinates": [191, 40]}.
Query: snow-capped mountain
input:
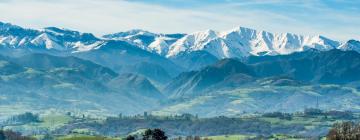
{"type": "Point", "coordinates": [152, 42]}
{"type": "Point", "coordinates": [14, 36]}
{"type": "Point", "coordinates": [72, 40]}
{"type": "Point", "coordinates": [238, 42]}
{"type": "Point", "coordinates": [129, 34]}
{"type": "Point", "coordinates": [192, 42]}
{"type": "Point", "coordinates": [159, 46]}
{"type": "Point", "coordinates": [119, 55]}
{"type": "Point", "coordinates": [241, 42]}
{"type": "Point", "coordinates": [350, 45]}
{"type": "Point", "coordinates": [50, 38]}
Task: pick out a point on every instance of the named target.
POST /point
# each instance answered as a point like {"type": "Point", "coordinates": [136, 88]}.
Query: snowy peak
{"type": "Point", "coordinates": [15, 36]}
{"type": "Point", "coordinates": [60, 32]}
{"type": "Point", "coordinates": [70, 35]}
{"type": "Point", "coordinates": [194, 41]}
{"type": "Point", "coordinates": [137, 37]}
{"type": "Point", "coordinates": [351, 45]}
{"type": "Point", "coordinates": [50, 38]}
{"type": "Point", "coordinates": [243, 31]}
{"type": "Point", "coordinates": [7, 26]}
{"type": "Point", "coordinates": [47, 41]}
{"type": "Point", "coordinates": [242, 42]}
{"type": "Point", "coordinates": [152, 42]}
{"type": "Point", "coordinates": [9, 30]}
{"type": "Point", "coordinates": [129, 34]}
{"type": "Point", "coordinates": [65, 40]}
{"type": "Point", "coordinates": [159, 46]}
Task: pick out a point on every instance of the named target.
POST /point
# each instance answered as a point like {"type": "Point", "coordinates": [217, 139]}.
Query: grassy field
{"type": "Point", "coordinates": [231, 137]}
{"type": "Point", "coordinates": [84, 137]}
{"type": "Point", "coordinates": [54, 121]}
{"type": "Point", "coordinates": [246, 137]}
{"type": "Point", "coordinates": [51, 122]}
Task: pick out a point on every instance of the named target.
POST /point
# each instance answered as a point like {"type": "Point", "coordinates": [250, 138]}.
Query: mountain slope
{"type": "Point", "coordinates": [136, 84]}
{"type": "Point", "coordinates": [118, 55]}
{"type": "Point", "coordinates": [45, 82]}
{"type": "Point", "coordinates": [316, 67]}
{"type": "Point", "coordinates": [196, 81]}
{"type": "Point", "coordinates": [154, 72]}
{"type": "Point", "coordinates": [7, 67]}
{"type": "Point", "coordinates": [43, 72]}
{"type": "Point", "coordinates": [48, 62]}
{"type": "Point", "coordinates": [194, 60]}
{"type": "Point", "coordinates": [332, 66]}
{"type": "Point", "coordinates": [261, 99]}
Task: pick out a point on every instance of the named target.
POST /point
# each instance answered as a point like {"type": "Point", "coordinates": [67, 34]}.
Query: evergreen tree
{"type": "Point", "coordinates": [2, 135]}
{"type": "Point", "coordinates": [158, 134]}
{"type": "Point", "coordinates": [147, 135]}
{"type": "Point", "coordinates": [130, 137]}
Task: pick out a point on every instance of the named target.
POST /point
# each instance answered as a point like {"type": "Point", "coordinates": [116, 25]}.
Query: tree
{"type": "Point", "coordinates": [2, 135]}
{"type": "Point", "coordinates": [147, 134]}
{"type": "Point", "coordinates": [130, 137]}
{"type": "Point", "coordinates": [344, 131]}
{"type": "Point", "coordinates": [10, 135]}
{"type": "Point", "coordinates": [156, 134]}
{"type": "Point", "coordinates": [27, 117]}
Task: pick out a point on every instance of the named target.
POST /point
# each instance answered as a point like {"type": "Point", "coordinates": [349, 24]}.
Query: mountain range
{"type": "Point", "coordinates": [309, 67]}
{"type": "Point", "coordinates": [238, 42]}
{"type": "Point", "coordinates": [61, 69]}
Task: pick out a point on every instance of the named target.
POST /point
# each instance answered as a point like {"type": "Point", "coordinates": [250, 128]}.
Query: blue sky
{"type": "Point", "coordinates": [336, 19]}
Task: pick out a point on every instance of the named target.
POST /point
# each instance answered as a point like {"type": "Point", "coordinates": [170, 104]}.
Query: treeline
{"type": "Point", "coordinates": [333, 113]}
{"type": "Point", "coordinates": [308, 112]}
{"type": "Point", "coordinates": [311, 112]}
{"type": "Point", "coordinates": [24, 118]}
{"type": "Point", "coordinates": [146, 115]}
{"type": "Point", "coordinates": [182, 125]}
{"type": "Point", "coordinates": [10, 135]}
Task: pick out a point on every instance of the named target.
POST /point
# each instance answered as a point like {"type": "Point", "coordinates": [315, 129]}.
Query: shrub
{"type": "Point", "coordinates": [344, 131]}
